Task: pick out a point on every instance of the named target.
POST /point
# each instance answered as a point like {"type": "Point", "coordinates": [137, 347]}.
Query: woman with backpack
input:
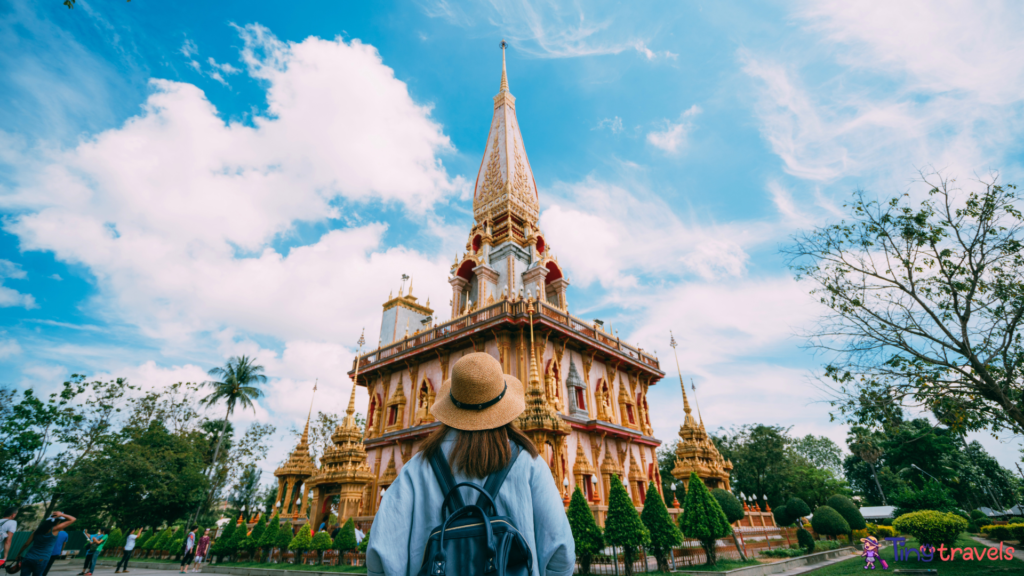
{"type": "Point", "coordinates": [476, 499]}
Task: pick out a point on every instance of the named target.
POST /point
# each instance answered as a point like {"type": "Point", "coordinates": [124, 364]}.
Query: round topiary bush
{"type": "Point", "coordinates": [806, 541]}
{"type": "Point", "coordinates": [972, 527]}
{"type": "Point", "coordinates": [796, 508]}
{"type": "Point", "coordinates": [781, 515]}
{"type": "Point", "coordinates": [848, 510]}
{"type": "Point", "coordinates": [828, 522]}
{"type": "Point", "coordinates": [977, 515]}
{"type": "Point", "coordinates": [931, 527]}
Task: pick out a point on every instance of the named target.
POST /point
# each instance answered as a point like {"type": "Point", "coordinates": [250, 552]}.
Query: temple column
{"type": "Point", "coordinates": [560, 286]}
{"type": "Point", "coordinates": [534, 280]}
{"type": "Point", "coordinates": [305, 499]}
{"type": "Point", "coordinates": [280, 490]}
{"type": "Point", "coordinates": [486, 276]}
{"type": "Point", "coordinates": [458, 287]}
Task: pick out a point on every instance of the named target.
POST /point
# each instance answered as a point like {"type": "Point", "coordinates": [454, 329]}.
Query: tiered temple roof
{"type": "Point", "coordinates": [697, 453]}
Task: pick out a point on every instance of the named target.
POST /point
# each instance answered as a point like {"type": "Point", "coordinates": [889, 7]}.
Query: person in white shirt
{"type": "Point", "coordinates": [8, 526]}
{"type": "Point", "coordinates": [129, 548]}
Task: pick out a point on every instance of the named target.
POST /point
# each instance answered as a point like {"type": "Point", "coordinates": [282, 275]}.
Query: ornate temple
{"type": "Point", "coordinates": [586, 390]}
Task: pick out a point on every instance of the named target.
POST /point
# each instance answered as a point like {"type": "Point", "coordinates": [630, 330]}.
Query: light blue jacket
{"type": "Point", "coordinates": [411, 507]}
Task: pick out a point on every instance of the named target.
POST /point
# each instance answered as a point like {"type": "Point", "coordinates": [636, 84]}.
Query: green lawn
{"type": "Point", "coordinates": [950, 568]}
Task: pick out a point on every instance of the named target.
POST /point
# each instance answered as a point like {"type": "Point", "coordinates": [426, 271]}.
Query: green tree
{"type": "Point", "coordinates": [240, 534]}
{"type": "Point", "coordinates": [733, 510]}
{"type": "Point", "coordinates": [284, 538]}
{"type": "Point", "coordinates": [796, 508]}
{"type": "Point", "coordinates": [321, 542]}
{"type": "Point", "coordinates": [115, 539]}
{"type": "Point", "coordinates": [664, 532]}
{"type": "Point", "coordinates": [827, 522]}
{"type": "Point", "coordinates": [303, 540]}
{"type": "Point", "coordinates": [821, 452]}
{"type": "Point", "coordinates": [345, 540]}
{"type": "Point", "coordinates": [667, 463]}
{"type": "Point", "coordinates": [703, 518]}
{"type": "Point", "coordinates": [269, 536]}
{"type": "Point", "coordinates": [585, 532]}
{"type": "Point", "coordinates": [762, 462]}
{"type": "Point", "coordinates": [220, 545]}
{"type": "Point", "coordinates": [925, 304]}
{"type": "Point", "coordinates": [366, 542]}
{"type": "Point", "coordinates": [147, 476]}
{"type": "Point", "coordinates": [140, 542]}
{"type": "Point", "coordinates": [932, 497]}
{"type": "Point", "coordinates": [848, 510]}
{"type": "Point", "coordinates": [623, 527]}
{"type": "Point", "coordinates": [237, 384]}
{"type": "Point", "coordinates": [781, 515]}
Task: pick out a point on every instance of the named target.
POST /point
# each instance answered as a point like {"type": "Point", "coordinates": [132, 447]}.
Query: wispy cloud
{"type": "Point", "coordinates": [613, 124]}
{"type": "Point", "coordinates": [672, 138]}
{"type": "Point", "coordinates": [213, 69]}
{"type": "Point", "coordinates": [9, 296]}
{"type": "Point", "coordinates": [642, 48]}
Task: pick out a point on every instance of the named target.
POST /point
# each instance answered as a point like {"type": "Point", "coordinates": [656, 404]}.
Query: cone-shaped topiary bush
{"type": "Point", "coordinates": [827, 522]}
{"type": "Point", "coordinates": [140, 542]}
{"type": "Point", "coordinates": [805, 540]}
{"type": "Point", "coordinates": [734, 512]}
{"type": "Point", "coordinates": [303, 540]}
{"type": "Point", "coordinates": [220, 544]}
{"type": "Point", "coordinates": [269, 536]}
{"type": "Point", "coordinates": [322, 541]}
{"type": "Point", "coordinates": [623, 527]}
{"type": "Point", "coordinates": [345, 541]}
{"type": "Point", "coordinates": [664, 532]}
{"type": "Point", "coordinates": [115, 540]}
{"type": "Point", "coordinates": [585, 532]}
{"type": "Point", "coordinates": [365, 542]}
{"type": "Point", "coordinates": [848, 510]}
{"type": "Point", "coordinates": [252, 543]}
{"type": "Point", "coordinates": [284, 537]}
{"type": "Point", "coordinates": [240, 534]}
{"type": "Point", "coordinates": [703, 519]}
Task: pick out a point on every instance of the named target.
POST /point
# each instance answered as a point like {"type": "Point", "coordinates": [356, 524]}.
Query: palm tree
{"type": "Point", "coordinates": [238, 380]}
{"type": "Point", "coordinates": [238, 385]}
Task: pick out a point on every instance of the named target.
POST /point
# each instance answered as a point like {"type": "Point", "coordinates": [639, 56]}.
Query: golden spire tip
{"type": "Point", "coordinates": [504, 75]}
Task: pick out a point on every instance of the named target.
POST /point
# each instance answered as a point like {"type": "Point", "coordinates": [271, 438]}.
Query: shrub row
{"type": "Point", "coordinates": [931, 527]}
{"type": "Point", "coordinates": [1004, 532]}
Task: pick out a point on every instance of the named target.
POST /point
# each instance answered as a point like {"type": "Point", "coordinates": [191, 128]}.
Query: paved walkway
{"type": "Point", "coordinates": [72, 567]}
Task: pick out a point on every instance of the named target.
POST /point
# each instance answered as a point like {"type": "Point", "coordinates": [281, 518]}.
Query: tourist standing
{"type": "Point", "coordinates": [202, 549]}
{"type": "Point", "coordinates": [58, 549]}
{"type": "Point", "coordinates": [476, 408]}
{"type": "Point", "coordinates": [129, 549]}
{"type": "Point", "coordinates": [8, 526]}
{"type": "Point", "coordinates": [190, 549]}
{"type": "Point", "coordinates": [97, 540]}
{"type": "Point", "coordinates": [34, 561]}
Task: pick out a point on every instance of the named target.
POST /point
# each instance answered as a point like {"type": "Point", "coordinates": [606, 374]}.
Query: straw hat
{"type": "Point", "coordinates": [478, 396]}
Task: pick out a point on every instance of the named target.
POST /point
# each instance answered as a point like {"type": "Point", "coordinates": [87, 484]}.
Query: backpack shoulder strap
{"type": "Point", "coordinates": [443, 473]}
{"type": "Point", "coordinates": [494, 481]}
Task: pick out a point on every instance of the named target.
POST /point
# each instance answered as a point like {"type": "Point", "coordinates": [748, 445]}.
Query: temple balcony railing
{"type": "Point", "coordinates": [510, 309]}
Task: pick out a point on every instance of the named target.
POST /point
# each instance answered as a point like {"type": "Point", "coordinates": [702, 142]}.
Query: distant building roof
{"type": "Point", "coordinates": [877, 512]}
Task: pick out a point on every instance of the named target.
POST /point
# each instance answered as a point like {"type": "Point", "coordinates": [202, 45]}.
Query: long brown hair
{"type": "Point", "coordinates": [479, 453]}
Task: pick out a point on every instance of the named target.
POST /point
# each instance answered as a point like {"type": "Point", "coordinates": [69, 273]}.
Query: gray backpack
{"type": "Point", "coordinates": [473, 539]}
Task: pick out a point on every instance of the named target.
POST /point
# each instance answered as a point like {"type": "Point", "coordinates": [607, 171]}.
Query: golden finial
{"type": "Point", "coordinates": [391, 294]}
{"type": "Point", "coordinates": [504, 76]}
{"type": "Point", "coordinates": [410, 285]}
{"type": "Point", "coordinates": [305, 432]}
{"type": "Point", "coordinates": [534, 378]}
{"type": "Point", "coordinates": [693, 388]}
{"type": "Point", "coordinates": [686, 402]}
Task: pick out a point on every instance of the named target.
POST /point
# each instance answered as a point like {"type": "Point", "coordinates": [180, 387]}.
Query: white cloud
{"type": "Point", "coordinates": [189, 48]}
{"type": "Point", "coordinates": [174, 211]}
{"type": "Point", "coordinates": [607, 234]}
{"type": "Point", "coordinates": [641, 47]}
{"type": "Point", "coordinates": [10, 296]}
{"type": "Point", "coordinates": [613, 124]}
{"type": "Point", "coordinates": [917, 84]}
{"type": "Point", "coordinates": [9, 347]}
{"type": "Point", "coordinates": [673, 137]}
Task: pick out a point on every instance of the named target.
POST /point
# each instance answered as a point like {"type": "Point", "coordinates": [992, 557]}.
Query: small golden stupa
{"type": "Point", "coordinates": [695, 451]}
{"type": "Point", "coordinates": [293, 475]}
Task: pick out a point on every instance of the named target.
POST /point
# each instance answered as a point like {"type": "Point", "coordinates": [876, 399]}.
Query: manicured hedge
{"type": "Point", "coordinates": [931, 527]}
{"type": "Point", "coordinates": [881, 532]}
{"type": "Point", "coordinates": [1003, 532]}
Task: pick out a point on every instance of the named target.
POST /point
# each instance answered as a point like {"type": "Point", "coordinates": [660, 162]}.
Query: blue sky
{"type": "Point", "coordinates": [181, 181]}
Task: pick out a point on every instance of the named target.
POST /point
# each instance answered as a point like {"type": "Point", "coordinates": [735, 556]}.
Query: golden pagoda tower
{"type": "Point", "coordinates": [343, 472]}
{"type": "Point", "coordinates": [695, 451]}
{"type": "Point", "coordinates": [294, 474]}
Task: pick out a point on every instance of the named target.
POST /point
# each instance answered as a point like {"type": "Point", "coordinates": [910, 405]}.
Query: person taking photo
{"type": "Point", "coordinates": [40, 548]}
{"type": "Point", "coordinates": [8, 526]}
